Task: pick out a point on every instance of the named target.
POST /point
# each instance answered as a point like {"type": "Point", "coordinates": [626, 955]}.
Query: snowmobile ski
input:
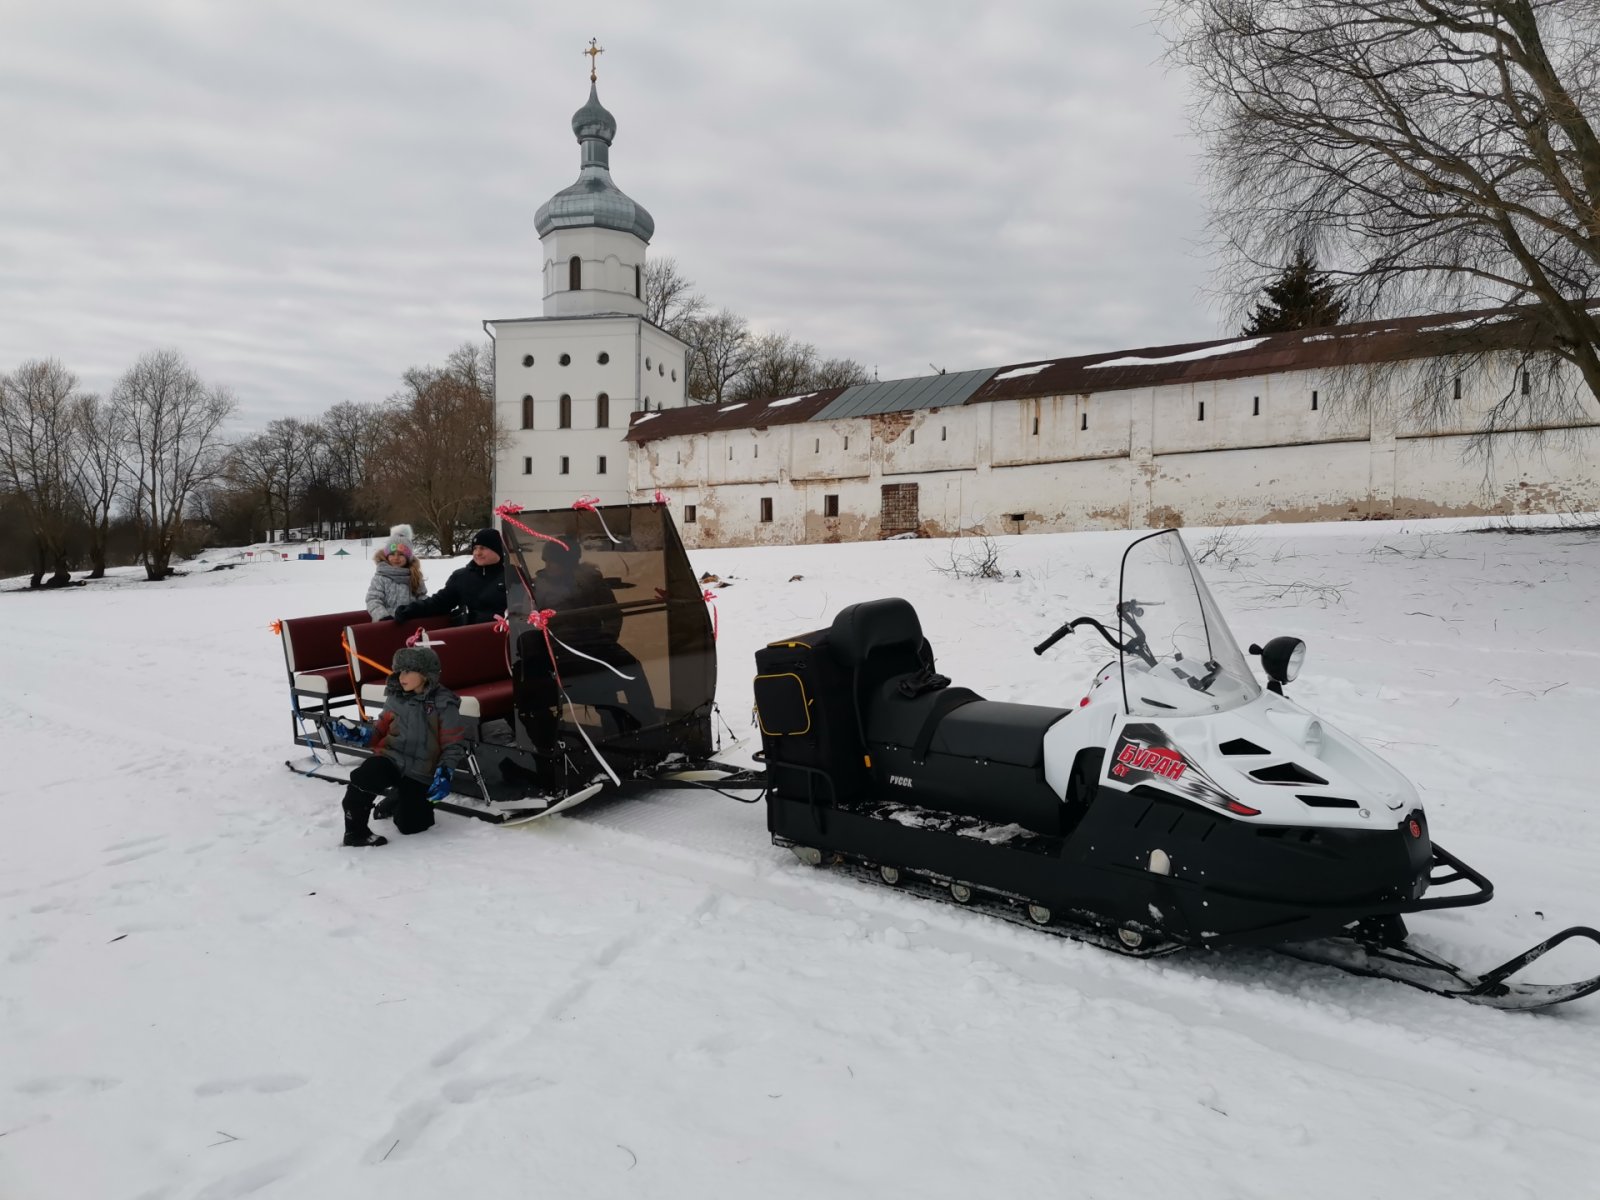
{"type": "Point", "coordinates": [516, 816]}
{"type": "Point", "coordinates": [1418, 968]}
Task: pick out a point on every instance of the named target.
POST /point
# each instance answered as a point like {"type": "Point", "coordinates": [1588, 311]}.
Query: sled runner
{"type": "Point", "coordinates": [1176, 803]}
{"type": "Point", "coordinates": [601, 676]}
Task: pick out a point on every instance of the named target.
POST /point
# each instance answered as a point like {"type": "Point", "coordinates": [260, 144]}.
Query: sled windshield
{"type": "Point", "coordinates": [1179, 658]}
{"type": "Point", "coordinates": [623, 643]}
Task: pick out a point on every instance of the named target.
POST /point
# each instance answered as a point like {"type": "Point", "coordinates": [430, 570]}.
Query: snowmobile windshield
{"type": "Point", "coordinates": [1179, 658]}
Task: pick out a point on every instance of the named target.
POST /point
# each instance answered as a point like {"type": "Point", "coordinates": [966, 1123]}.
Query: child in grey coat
{"type": "Point", "coordinates": [417, 743]}
{"type": "Point", "coordinates": [398, 579]}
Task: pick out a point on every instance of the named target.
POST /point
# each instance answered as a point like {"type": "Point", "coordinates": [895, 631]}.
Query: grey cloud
{"type": "Point", "coordinates": [308, 198]}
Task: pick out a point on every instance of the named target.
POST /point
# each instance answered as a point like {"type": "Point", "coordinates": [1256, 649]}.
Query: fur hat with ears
{"type": "Point", "coordinates": [419, 659]}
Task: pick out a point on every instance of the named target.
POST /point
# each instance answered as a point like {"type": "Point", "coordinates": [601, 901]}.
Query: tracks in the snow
{"type": "Point", "coordinates": [1368, 1028]}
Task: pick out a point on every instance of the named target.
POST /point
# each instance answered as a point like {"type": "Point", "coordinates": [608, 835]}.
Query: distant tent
{"type": "Point", "coordinates": [341, 553]}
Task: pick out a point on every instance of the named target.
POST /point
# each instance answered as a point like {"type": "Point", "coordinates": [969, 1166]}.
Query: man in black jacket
{"type": "Point", "coordinates": [474, 593]}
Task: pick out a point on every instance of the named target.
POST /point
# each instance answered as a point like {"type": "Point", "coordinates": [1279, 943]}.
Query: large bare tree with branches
{"type": "Point", "coordinates": [174, 446]}
{"type": "Point", "coordinates": [435, 449]}
{"type": "Point", "coordinates": [1436, 154]}
{"type": "Point", "coordinates": [670, 298]}
{"type": "Point", "coordinates": [37, 449]}
{"type": "Point", "coordinates": [98, 472]}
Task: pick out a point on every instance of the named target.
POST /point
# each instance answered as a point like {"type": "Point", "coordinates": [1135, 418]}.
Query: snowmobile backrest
{"type": "Point", "coordinates": [876, 641]}
{"type": "Point", "coordinates": [883, 632]}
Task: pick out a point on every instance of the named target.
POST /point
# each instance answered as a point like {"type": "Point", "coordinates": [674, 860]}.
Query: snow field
{"type": "Point", "coordinates": [204, 996]}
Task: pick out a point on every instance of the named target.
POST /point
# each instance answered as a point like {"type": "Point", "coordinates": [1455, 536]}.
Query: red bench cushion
{"type": "Point", "coordinates": [311, 644]}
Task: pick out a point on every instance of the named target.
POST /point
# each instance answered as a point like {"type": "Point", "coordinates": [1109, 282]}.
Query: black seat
{"type": "Point", "coordinates": [997, 731]}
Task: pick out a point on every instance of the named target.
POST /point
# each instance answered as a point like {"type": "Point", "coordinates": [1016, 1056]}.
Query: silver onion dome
{"type": "Point", "coordinates": [594, 200]}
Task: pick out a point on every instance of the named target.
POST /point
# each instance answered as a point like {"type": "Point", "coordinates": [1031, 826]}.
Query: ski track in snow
{"type": "Point", "coordinates": [204, 997]}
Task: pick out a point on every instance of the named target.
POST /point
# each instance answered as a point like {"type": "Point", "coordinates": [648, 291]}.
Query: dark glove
{"type": "Point", "coordinates": [403, 613]}
{"type": "Point", "coordinates": [440, 787]}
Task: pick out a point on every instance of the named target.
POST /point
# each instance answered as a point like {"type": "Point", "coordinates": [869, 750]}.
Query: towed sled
{"type": "Point", "coordinates": [1176, 803]}
{"type": "Point", "coordinates": [601, 676]}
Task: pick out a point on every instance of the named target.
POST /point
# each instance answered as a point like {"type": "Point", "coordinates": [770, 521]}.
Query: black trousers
{"type": "Point", "coordinates": [412, 812]}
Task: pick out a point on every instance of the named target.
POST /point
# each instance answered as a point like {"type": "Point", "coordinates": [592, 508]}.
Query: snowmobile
{"type": "Point", "coordinates": [600, 677]}
{"type": "Point", "coordinates": [1176, 803]}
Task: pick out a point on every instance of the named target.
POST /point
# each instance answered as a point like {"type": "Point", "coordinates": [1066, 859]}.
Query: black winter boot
{"type": "Point", "coordinates": [357, 804]}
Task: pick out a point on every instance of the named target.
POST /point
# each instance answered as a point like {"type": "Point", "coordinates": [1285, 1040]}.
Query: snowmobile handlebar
{"type": "Point", "coordinates": [1069, 627]}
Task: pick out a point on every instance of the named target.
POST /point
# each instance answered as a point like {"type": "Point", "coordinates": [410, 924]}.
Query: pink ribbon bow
{"type": "Point", "coordinates": [505, 513]}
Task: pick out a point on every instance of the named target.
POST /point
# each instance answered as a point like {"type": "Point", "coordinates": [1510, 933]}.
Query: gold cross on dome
{"type": "Point", "coordinates": [594, 51]}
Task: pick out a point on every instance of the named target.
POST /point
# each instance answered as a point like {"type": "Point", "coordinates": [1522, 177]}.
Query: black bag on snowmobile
{"type": "Point", "coordinates": [808, 721]}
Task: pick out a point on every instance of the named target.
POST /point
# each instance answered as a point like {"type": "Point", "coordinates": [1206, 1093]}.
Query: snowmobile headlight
{"type": "Point", "coordinates": [1281, 658]}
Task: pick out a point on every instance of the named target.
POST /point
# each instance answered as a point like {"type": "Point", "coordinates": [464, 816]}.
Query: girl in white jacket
{"type": "Point", "coordinates": [398, 579]}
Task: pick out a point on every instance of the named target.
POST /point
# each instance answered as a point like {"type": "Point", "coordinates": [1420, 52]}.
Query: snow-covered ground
{"type": "Point", "coordinates": [204, 996]}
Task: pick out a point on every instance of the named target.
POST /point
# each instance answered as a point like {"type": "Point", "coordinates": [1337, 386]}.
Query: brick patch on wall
{"type": "Point", "coordinates": [899, 509]}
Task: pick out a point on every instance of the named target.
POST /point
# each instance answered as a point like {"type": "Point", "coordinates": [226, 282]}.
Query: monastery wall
{"type": "Point", "coordinates": [1296, 446]}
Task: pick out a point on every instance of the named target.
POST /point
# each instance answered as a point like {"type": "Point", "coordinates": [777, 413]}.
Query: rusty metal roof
{"type": "Point", "coordinates": [708, 418]}
{"type": "Point", "coordinates": [1191, 362]}
{"type": "Point", "coordinates": [1301, 350]}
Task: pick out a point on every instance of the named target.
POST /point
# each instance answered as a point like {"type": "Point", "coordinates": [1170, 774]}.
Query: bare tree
{"type": "Point", "coordinates": [779, 366]}
{"type": "Point", "coordinates": [783, 366]}
{"type": "Point", "coordinates": [720, 351]}
{"type": "Point", "coordinates": [251, 471]}
{"type": "Point", "coordinates": [670, 299]}
{"type": "Point", "coordinates": [349, 435]}
{"type": "Point", "coordinates": [288, 449]}
{"type": "Point", "coordinates": [98, 474]}
{"type": "Point", "coordinates": [435, 451]}
{"type": "Point", "coordinates": [37, 448]}
{"type": "Point", "coordinates": [174, 445]}
{"type": "Point", "coordinates": [1441, 154]}
{"type": "Point", "coordinates": [839, 372]}
{"type": "Point", "coordinates": [472, 365]}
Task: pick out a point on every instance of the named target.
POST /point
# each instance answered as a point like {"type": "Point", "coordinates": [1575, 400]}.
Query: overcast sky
{"type": "Point", "coordinates": [308, 197]}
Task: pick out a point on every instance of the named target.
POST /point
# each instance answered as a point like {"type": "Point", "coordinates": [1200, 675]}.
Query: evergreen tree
{"type": "Point", "coordinates": [1301, 298]}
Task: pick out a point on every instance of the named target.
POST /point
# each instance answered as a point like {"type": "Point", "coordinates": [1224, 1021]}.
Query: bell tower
{"type": "Point", "coordinates": [593, 234]}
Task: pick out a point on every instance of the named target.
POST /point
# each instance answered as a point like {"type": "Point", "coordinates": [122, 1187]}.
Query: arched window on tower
{"type": "Point", "coordinates": [602, 411]}
{"type": "Point", "coordinates": [564, 419]}
{"type": "Point", "coordinates": [638, 284]}
{"type": "Point", "coordinates": [575, 274]}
